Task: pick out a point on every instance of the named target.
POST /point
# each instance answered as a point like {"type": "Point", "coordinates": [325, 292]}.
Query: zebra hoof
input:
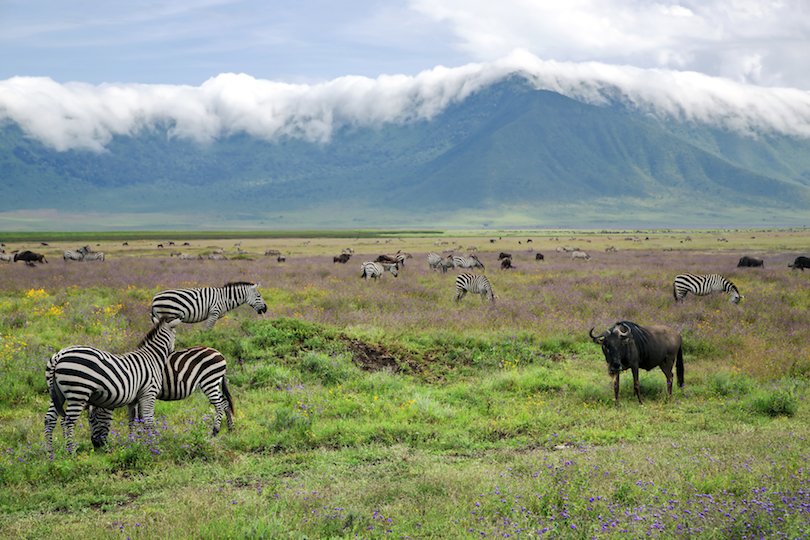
{"type": "Point", "coordinates": [98, 443]}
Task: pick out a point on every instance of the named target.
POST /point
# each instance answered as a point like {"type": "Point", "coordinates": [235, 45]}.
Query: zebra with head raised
{"type": "Point", "coordinates": [701, 285]}
{"type": "Point", "coordinates": [206, 303]}
{"type": "Point", "coordinates": [80, 376]}
{"type": "Point", "coordinates": [469, 261]}
{"type": "Point", "coordinates": [475, 284]}
{"type": "Point", "coordinates": [374, 270]}
{"type": "Point", "coordinates": [183, 372]}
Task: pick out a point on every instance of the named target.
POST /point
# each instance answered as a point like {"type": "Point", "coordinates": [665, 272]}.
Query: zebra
{"type": "Point", "coordinates": [470, 261]}
{"type": "Point", "coordinates": [183, 372]}
{"type": "Point", "coordinates": [206, 303]}
{"type": "Point", "coordinates": [70, 255]}
{"type": "Point", "coordinates": [702, 285]}
{"type": "Point", "coordinates": [475, 284]}
{"type": "Point", "coordinates": [80, 375]}
{"type": "Point", "coordinates": [94, 256]}
{"type": "Point", "coordinates": [373, 270]}
{"type": "Point", "coordinates": [434, 260]}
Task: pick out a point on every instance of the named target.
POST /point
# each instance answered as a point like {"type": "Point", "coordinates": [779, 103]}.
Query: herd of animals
{"type": "Point", "coordinates": [83, 377]}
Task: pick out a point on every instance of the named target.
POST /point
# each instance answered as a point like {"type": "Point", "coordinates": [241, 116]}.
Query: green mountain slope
{"type": "Point", "coordinates": [504, 152]}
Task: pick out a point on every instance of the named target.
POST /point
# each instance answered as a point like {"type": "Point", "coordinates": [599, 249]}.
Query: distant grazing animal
{"type": "Point", "coordinates": [206, 303]}
{"type": "Point", "coordinates": [539, 257]}
{"type": "Point", "coordinates": [70, 255]}
{"type": "Point", "coordinates": [273, 252]}
{"type": "Point", "coordinates": [627, 345]}
{"type": "Point", "coordinates": [503, 255]}
{"type": "Point", "coordinates": [125, 244]}
{"type": "Point", "coordinates": [581, 255]}
{"type": "Point", "coordinates": [434, 260]}
{"type": "Point", "coordinates": [343, 258]}
{"type": "Point", "coordinates": [29, 257]}
{"type": "Point", "coordinates": [94, 256]}
{"type": "Point", "coordinates": [189, 257]}
{"type": "Point", "coordinates": [374, 270]}
{"type": "Point", "coordinates": [506, 263]}
{"type": "Point", "coordinates": [217, 257]}
{"type": "Point", "coordinates": [701, 285]}
{"type": "Point", "coordinates": [160, 245]}
{"type": "Point", "coordinates": [470, 261]}
{"type": "Point", "coordinates": [800, 263]}
{"type": "Point", "coordinates": [6, 257]}
{"type": "Point", "coordinates": [79, 376]}
{"type": "Point", "coordinates": [183, 372]}
{"type": "Point", "coordinates": [747, 261]}
{"type": "Point", "coordinates": [474, 284]}
{"type": "Point", "coordinates": [281, 258]}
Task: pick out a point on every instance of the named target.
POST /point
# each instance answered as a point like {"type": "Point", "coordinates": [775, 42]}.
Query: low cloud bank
{"type": "Point", "coordinates": [83, 116]}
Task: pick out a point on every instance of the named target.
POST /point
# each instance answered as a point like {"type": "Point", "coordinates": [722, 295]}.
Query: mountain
{"type": "Point", "coordinates": [508, 155]}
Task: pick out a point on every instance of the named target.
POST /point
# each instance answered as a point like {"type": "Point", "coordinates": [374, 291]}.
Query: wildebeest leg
{"type": "Point", "coordinates": [616, 388]}
{"type": "Point", "coordinates": [667, 369]}
{"type": "Point", "coordinates": [636, 385]}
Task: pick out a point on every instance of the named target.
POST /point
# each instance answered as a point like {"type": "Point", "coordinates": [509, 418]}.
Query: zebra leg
{"type": "Point", "coordinates": [216, 399]}
{"type": "Point", "coordinates": [213, 316]}
{"type": "Point", "coordinates": [74, 410]}
{"type": "Point", "coordinates": [100, 422]}
{"type": "Point", "coordinates": [460, 294]}
{"type": "Point", "coordinates": [50, 422]}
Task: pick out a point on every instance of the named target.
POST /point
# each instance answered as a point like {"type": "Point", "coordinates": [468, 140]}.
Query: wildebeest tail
{"type": "Point", "coordinates": [227, 395]}
{"type": "Point", "coordinates": [679, 367]}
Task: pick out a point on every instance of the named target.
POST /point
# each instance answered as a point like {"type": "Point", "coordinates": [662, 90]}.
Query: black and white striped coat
{"type": "Point", "coordinates": [206, 303]}
{"type": "Point", "coordinates": [183, 372]}
{"type": "Point", "coordinates": [80, 376]}
{"type": "Point", "coordinates": [469, 261]}
{"type": "Point", "coordinates": [701, 285]}
{"type": "Point", "coordinates": [475, 284]}
{"type": "Point", "coordinates": [374, 270]}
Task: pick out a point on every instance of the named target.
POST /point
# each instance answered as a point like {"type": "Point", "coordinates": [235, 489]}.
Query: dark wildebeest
{"type": "Point", "coordinates": [29, 257]}
{"type": "Point", "coordinates": [506, 263]}
{"type": "Point", "coordinates": [504, 256]}
{"type": "Point", "coordinates": [388, 259]}
{"type": "Point", "coordinates": [343, 258]}
{"type": "Point", "coordinates": [801, 263]}
{"type": "Point", "coordinates": [538, 257]}
{"type": "Point", "coordinates": [747, 261]}
{"type": "Point", "coordinates": [629, 346]}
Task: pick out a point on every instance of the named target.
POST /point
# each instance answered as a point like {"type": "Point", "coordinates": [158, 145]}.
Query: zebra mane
{"type": "Point", "coordinates": [639, 335]}
{"type": "Point", "coordinates": [238, 284]}
{"type": "Point", "coordinates": [151, 334]}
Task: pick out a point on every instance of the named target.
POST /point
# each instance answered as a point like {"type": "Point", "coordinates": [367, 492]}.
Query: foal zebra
{"type": "Point", "coordinates": [475, 284]}
{"type": "Point", "coordinates": [375, 270]}
{"type": "Point", "coordinates": [206, 303]}
{"type": "Point", "coordinates": [701, 285]}
{"type": "Point", "coordinates": [79, 376]}
{"type": "Point", "coordinates": [470, 261]}
{"type": "Point", "coordinates": [183, 372]}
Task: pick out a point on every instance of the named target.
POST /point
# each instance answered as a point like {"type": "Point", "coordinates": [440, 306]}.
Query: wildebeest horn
{"type": "Point", "coordinates": [626, 330]}
{"type": "Point", "coordinates": [596, 339]}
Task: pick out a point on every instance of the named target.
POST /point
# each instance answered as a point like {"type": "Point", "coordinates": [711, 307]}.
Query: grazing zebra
{"type": "Point", "coordinates": [434, 260]}
{"type": "Point", "coordinates": [206, 303]}
{"type": "Point", "coordinates": [80, 376]}
{"type": "Point", "coordinates": [470, 261]}
{"type": "Point", "coordinates": [183, 372]}
{"type": "Point", "coordinates": [373, 270]}
{"type": "Point", "coordinates": [94, 256]}
{"type": "Point", "coordinates": [475, 284]}
{"type": "Point", "coordinates": [702, 285]}
{"type": "Point", "coordinates": [70, 255]}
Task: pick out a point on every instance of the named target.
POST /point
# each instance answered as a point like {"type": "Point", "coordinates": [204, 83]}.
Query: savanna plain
{"type": "Point", "coordinates": [386, 409]}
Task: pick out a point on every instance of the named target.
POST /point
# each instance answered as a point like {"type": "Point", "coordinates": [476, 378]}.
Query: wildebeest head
{"type": "Point", "coordinates": [615, 344]}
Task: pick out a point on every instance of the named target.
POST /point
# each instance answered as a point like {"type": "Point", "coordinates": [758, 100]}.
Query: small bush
{"type": "Point", "coordinates": [330, 370]}
{"type": "Point", "coordinates": [730, 384]}
{"type": "Point", "coordinates": [776, 403]}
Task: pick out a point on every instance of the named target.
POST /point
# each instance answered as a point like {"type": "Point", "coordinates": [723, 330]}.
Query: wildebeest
{"type": "Point", "coordinates": [747, 261]}
{"type": "Point", "coordinates": [503, 255]}
{"type": "Point", "coordinates": [627, 345]}
{"type": "Point", "coordinates": [281, 258]}
{"type": "Point", "coordinates": [29, 257]}
{"type": "Point", "coordinates": [343, 258]}
{"type": "Point", "coordinates": [539, 257]}
{"type": "Point", "coordinates": [801, 263]}
{"type": "Point", "coordinates": [506, 263]}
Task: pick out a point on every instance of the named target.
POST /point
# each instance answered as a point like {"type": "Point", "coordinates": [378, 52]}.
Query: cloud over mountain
{"type": "Point", "coordinates": [83, 116]}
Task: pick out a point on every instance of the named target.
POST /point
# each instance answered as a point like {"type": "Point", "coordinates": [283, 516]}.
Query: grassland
{"type": "Point", "coordinates": [386, 410]}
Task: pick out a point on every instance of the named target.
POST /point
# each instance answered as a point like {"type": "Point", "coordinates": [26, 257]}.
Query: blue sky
{"type": "Point", "coordinates": [75, 74]}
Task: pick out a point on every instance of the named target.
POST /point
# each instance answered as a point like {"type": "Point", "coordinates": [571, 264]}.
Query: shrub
{"type": "Point", "coordinates": [777, 402]}
{"type": "Point", "coordinates": [725, 384]}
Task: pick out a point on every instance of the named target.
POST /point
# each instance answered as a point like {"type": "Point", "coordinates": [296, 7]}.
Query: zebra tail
{"type": "Point", "coordinates": [58, 398]}
{"type": "Point", "coordinates": [227, 395]}
{"type": "Point", "coordinates": [679, 367]}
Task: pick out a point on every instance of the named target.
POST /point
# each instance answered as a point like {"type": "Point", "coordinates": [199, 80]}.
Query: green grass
{"type": "Point", "coordinates": [414, 416]}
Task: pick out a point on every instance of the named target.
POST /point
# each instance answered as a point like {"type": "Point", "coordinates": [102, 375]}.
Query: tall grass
{"type": "Point", "coordinates": [386, 409]}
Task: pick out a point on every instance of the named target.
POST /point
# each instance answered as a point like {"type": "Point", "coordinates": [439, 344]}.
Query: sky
{"type": "Point", "coordinates": [75, 74]}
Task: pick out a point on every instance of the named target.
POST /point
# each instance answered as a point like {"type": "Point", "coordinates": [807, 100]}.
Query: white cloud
{"type": "Point", "coordinates": [83, 116]}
